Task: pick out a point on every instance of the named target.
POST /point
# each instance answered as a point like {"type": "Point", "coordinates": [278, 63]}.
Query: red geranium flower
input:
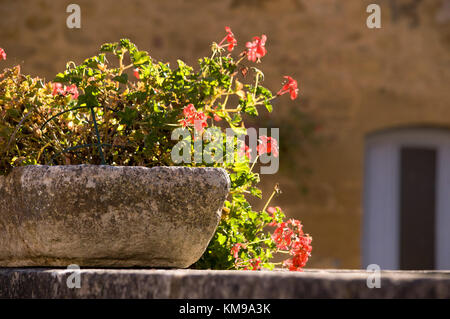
{"type": "Point", "coordinates": [57, 89]}
{"type": "Point", "coordinates": [297, 225]}
{"type": "Point", "coordinates": [235, 249]}
{"type": "Point", "coordinates": [232, 42]}
{"type": "Point", "coordinates": [184, 123]}
{"type": "Point", "coordinates": [73, 90]}
{"type": "Point", "coordinates": [301, 251]}
{"type": "Point", "coordinates": [290, 87]}
{"type": "Point", "coordinates": [136, 73]}
{"type": "Point", "coordinates": [189, 110]}
{"type": "Point", "coordinates": [282, 236]}
{"type": "Point", "coordinates": [255, 263]}
{"type": "Point", "coordinates": [2, 54]}
{"type": "Point", "coordinates": [293, 240]}
{"type": "Point", "coordinates": [302, 243]}
{"type": "Point", "coordinates": [216, 117]}
{"type": "Point", "coordinates": [195, 118]}
{"type": "Point", "coordinates": [268, 145]}
{"type": "Point", "coordinates": [256, 49]}
{"type": "Point", "coordinates": [245, 150]}
{"type": "Point", "coordinates": [273, 211]}
{"type": "Point", "coordinates": [297, 262]}
{"type": "Point", "coordinates": [200, 121]}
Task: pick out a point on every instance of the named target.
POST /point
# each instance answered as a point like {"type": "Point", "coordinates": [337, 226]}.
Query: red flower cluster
{"type": "Point", "coordinates": [267, 145]}
{"type": "Point", "coordinates": [195, 118]}
{"type": "Point", "coordinates": [255, 264]}
{"type": "Point", "coordinates": [290, 87]}
{"type": "Point", "coordinates": [256, 48]}
{"type": "Point", "coordinates": [251, 264]}
{"type": "Point", "coordinates": [274, 211]}
{"type": "Point", "coordinates": [245, 150]}
{"type": "Point", "coordinates": [2, 54]}
{"type": "Point", "coordinates": [235, 249]}
{"type": "Point", "coordinates": [59, 89]}
{"type": "Point", "coordinates": [300, 251]}
{"type": "Point", "coordinates": [289, 236]}
{"type": "Point", "coordinates": [232, 42]}
{"type": "Point", "coordinates": [282, 236]}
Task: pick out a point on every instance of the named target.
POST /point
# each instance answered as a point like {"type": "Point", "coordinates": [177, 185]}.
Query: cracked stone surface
{"type": "Point", "coordinates": [220, 284]}
{"type": "Point", "coordinates": [109, 216]}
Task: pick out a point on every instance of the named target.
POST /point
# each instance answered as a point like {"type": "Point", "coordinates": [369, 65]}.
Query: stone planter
{"type": "Point", "coordinates": [109, 216]}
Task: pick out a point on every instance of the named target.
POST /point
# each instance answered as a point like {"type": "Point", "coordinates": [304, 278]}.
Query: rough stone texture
{"type": "Point", "coordinates": [106, 216]}
{"type": "Point", "coordinates": [149, 283]}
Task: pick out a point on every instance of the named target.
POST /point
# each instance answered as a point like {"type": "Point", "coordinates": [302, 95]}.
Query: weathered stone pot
{"type": "Point", "coordinates": [109, 216]}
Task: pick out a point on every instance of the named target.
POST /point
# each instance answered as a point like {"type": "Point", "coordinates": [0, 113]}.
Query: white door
{"type": "Point", "coordinates": [383, 241]}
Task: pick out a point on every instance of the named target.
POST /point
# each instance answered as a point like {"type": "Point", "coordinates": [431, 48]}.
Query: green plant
{"type": "Point", "coordinates": [123, 113]}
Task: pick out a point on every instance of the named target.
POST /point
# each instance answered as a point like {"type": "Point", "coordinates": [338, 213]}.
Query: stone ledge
{"type": "Point", "coordinates": [207, 284]}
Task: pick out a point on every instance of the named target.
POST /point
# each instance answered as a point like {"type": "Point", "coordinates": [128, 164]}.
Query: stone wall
{"type": "Point", "coordinates": [353, 80]}
{"type": "Point", "coordinates": [219, 284]}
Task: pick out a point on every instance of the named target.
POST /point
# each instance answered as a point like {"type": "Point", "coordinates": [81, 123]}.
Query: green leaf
{"type": "Point", "coordinates": [239, 130]}
{"type": "Point", "coordinates": [221, 238]}
{"type": "Point", "coordinates": [140, 57]}
{"type": "Point", "coordinates": [128, 116]}
{"type": "Point", "coordinates": [123, 78]}
{"type": "Point", "coordinates": [251, 110]}
{"type": "Point", "coordinates": [109, 47]}
{"type": "Point", "coordinates": [127, 44]}
{"type": "Point", "coordinates": [60, 77]}
{"type": "Point", "coordinates": [256, 192]}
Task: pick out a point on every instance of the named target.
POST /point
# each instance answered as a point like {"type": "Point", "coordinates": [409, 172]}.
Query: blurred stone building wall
{"type": "Point", "coordinates": [353, 80]}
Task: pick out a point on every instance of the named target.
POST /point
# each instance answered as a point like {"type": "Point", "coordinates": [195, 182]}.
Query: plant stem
{"type": "Point", "coordinates": [239, 61]}
{"type": "Point", "coordinates": [99, 144]}
{"type": "Point", "coordinates": [128, 66]}
{"type": "Point", "coordinates": [253, 165]}
{"type": "Point", "coordinates": [121, 63]}
{"type": "Point", "coordinates": [275, 190]}
{"type": "Point", "coordinates": [258, 241]}
{"type": "Point", "coordinates": [256, 85]}
{"type": "Point", "coordinates": [227, 94]}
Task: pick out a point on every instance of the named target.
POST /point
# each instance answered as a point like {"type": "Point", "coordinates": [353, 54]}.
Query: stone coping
{"type": "Point", "coordinates": [218, 284]}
